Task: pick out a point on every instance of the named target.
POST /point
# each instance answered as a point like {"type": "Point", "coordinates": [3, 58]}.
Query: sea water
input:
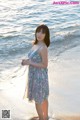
{"type": "Point", "coordinates": [18, 21]}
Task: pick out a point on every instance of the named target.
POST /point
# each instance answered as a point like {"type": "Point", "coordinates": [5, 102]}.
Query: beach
{"type": "Point", "coordinates": [69, 117]}
{"type": "Point", "coordinates": [18, 22]}
{"type": "Point", "coordinates": [64, 71]}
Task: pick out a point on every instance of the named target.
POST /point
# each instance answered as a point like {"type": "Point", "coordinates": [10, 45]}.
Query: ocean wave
{"type": "Point", "coordinates": [60, 36]}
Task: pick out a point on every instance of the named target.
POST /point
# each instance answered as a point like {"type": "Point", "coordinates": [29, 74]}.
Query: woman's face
{"type": "Point", "coordinates": [40, 35]}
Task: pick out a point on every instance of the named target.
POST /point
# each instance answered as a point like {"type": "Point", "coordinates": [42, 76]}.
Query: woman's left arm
{"type": "Point", "coordinates": [44, 55]}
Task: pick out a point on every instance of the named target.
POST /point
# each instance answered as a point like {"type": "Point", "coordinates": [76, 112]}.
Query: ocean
{"type": "Point", "coordinates": [18, 22]}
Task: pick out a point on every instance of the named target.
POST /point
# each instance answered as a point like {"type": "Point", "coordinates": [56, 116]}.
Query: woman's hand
{"type": "Point", "coordinates": [25, 62]}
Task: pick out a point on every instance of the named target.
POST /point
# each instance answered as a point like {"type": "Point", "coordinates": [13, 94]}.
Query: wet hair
{"type": "Point", "coordinates": [45, 30]}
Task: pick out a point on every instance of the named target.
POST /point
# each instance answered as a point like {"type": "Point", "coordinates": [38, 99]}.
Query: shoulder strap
{"type": "Point", "coordinates": [39, 47]}
{"type": "Point", "coordinates": [32, 53]}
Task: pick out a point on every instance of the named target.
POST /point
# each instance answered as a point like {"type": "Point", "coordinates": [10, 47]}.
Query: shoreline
{"type": "Point", "coordinates": [64, 79]}
{"type": "Point", "coordinates": [59, 107]}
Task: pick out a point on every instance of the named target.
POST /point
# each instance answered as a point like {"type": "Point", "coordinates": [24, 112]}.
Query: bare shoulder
{"type": "Point", "coordinates": [43, 50]}
{"type": "Point", "coordinates": [33, 43]}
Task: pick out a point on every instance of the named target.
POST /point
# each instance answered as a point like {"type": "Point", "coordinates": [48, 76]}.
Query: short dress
{"type": "Point", "coordinates": [37, 88]}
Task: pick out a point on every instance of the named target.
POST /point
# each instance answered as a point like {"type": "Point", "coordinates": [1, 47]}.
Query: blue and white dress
{"type": "Point", "coordinates": [38, 85]}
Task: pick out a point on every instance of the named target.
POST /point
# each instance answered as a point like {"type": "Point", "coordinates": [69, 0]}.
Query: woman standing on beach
{"type": "Point", "coordinates": [38, 85]}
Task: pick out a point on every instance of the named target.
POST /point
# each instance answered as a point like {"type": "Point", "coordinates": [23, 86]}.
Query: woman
{"type": "Point", "coordinates": [38, 85]}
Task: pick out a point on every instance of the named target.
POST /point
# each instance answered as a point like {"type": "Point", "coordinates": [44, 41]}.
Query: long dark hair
{"type": "Point", "coordinates": [45, 30]}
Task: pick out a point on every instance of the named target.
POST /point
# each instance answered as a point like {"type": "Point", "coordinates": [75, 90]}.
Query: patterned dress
{"type": "Point", "coordinates": [38, 86]}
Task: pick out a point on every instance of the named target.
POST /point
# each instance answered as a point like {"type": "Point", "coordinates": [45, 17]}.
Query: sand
{"type": "Point", "coordinates": [64, 117]}
{"type": "Point", "coordinates": [64, 77]}
{"type": "Point", "coordinates": [11, 96]}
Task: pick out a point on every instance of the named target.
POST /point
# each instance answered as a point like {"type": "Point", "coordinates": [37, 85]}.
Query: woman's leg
{"type": "Point", "coordinates": [39, 111]}
{"type": "Point", "coordinates": [42, 110]}
{"type": "Point", "coordinates": [45, 109]}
